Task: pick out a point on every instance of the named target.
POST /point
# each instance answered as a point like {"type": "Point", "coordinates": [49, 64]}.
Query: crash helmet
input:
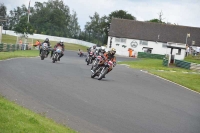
{"type": "Point", "coordinates": [94, 47]}
{"type": "Point", "coordinates": [103, 49]}
{"type": "Point", "coordinates": [113, 51]}
{"type": "Point", "coordinates": [46, 40]}
{"type": "Point", "coordinates": [61, 42]}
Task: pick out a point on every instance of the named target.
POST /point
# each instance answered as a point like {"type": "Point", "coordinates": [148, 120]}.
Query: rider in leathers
{"type": "Point", "coordinates": [91, 49]}
{"type": "Point", "coordinates": [48, 43]}
{"type": "Point", "coordinates": [110, 55]}
{"type": "Point", "coordinates": [61, 44]}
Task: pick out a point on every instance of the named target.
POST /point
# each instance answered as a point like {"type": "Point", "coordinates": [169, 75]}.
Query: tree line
{"type": "Point", "coordinates": [54, 18]}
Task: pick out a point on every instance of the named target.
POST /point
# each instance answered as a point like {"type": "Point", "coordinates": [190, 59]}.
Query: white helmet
{"type": "Point", "coordinates": [61, 42]}
{"type": "Point", "coordinates": [103, 48]}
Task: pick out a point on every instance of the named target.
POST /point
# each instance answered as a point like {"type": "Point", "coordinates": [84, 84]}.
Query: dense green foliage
{"type": "Point", "coordinates": [54, 18]}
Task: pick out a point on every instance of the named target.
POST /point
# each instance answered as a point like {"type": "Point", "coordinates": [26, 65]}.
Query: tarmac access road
{"type": "Point", "coordinates": [126, 101]}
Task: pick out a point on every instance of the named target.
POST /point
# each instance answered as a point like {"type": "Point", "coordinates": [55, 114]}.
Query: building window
{"type": "Point", "coordinates": [117, 39]}
{"type": "Point", "coordinates": [143, 42]}
{"type": "Point", "coordinates": [164, 45]}
{"type": "Point", "coordinates": [121, 40]}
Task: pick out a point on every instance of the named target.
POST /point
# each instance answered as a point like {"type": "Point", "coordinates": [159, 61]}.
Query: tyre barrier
{"type": "Point", "coordinates": [187, 65]}
{"type": "Point", "coordinates": [149, 55]}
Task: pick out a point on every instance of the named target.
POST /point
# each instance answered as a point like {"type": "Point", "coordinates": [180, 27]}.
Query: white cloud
{"type": "Point", "coordinates": [182, 12]}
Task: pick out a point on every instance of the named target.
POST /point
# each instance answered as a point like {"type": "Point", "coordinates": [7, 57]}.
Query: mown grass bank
{"type": "Point", "coordinates": [20, 53]}
{"type": "Point", "coordinates": [68, 46]}
{"type": "Point", "coordinates": [185, 77]}
{"type": "Point", "coordinates": [16, 119]}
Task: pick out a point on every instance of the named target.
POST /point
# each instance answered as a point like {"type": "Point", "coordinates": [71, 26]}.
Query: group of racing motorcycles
{"type": "Point", "coordinates": [56, 53]}
{"type": "Point", "coordinates": [102, 61]}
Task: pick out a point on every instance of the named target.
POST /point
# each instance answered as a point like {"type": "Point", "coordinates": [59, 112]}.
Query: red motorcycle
{"type": "Point", "coordinates": [102, 67]}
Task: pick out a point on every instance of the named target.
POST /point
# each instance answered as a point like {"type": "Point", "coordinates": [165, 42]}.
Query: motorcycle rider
{"type": "Point", "coordinates": [61, 44]}
{"type": "Point", "coordinates": [110, 55]}
{"type": "Point", "coordinates": [48, 43]}
{"type": "Point", "coordinates": [80, 53]}
{"type": "Point", "coordinates": [91, 49]}
{"type": "Point", "coordinates": [101, 50]}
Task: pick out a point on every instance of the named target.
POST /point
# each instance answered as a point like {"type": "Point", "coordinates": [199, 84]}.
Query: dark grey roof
{"type": "Point", "coordinates": [149, 31]}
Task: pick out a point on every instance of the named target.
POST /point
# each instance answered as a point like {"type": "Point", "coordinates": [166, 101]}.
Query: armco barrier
{"type": "Point", "coordinates": [149, 55]}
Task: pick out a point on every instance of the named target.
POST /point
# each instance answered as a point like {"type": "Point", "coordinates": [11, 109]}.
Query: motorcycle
{"type": "Point", "coordinates": [56, 54]}
{"type": "Point", "coordinates": [103, 67]}
{"type": "Point", "coordinates": [44, 51]}
{"type": "Point", "coordinates": [90, 58]}
{"type": "Point", "coordinates": [81, 54]}
{"type": "Point", "coordinates": [97, 61]}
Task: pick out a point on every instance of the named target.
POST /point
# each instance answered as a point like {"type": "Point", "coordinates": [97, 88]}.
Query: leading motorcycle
{"type": "Point", "coordinates": [44, 51]}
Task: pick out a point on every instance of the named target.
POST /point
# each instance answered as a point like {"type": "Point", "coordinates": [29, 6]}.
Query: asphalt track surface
{"type": "Point", "coordinates": [126, 101]}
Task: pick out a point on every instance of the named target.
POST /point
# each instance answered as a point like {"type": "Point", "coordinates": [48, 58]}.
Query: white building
{"type": "Point", "coordinates": [150, 37]}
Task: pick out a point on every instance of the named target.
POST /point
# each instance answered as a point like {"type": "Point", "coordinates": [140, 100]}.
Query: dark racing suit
{"type": "Point", "coordinates": [40, 49]}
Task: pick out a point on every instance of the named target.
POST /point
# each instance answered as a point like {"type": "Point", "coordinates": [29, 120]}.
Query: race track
{"type": "Point", "coordinates": [126, 101]}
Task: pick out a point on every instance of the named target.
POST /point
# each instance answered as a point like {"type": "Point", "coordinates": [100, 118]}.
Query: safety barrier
{"type": "Point", "coordinates": [149, 55]}
{"type": "Point", "coordinates": [165, 62]}
{"type": "Point", "coordinates": [9, 47]}
{"type": "Point", "coordinates": [187, 65]}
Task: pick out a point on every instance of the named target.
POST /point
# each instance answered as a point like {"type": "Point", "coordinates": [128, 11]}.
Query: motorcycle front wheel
{"type": "Point", "coordinates": [103, 73]}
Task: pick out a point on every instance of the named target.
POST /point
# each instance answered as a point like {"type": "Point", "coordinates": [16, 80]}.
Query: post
{"type": "Point", "coordinates": [0, 33]}
{"type": "Point", "coordinates": [28, 10]}
{"type": "Point", "coordinates": [188, 35]}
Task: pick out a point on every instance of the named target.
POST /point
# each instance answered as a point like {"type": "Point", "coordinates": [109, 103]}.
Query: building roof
{"type": "Point", "coordinates": [150, 31]}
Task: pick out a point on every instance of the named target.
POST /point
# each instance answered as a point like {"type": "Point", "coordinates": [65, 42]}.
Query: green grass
{"type": "Point", "coordinates": [68, 46]}
{"type": "Point", "coordinates": [16, 119]}
{"type": "Point", "coordinates": [9, 39]}
{"type": "Point", "coordinates": [185, 77]}
{"type": "Point", "coordinates": [193, 59]}
{"type": "Point", "coordinates": [189, 80]}
{"type": "Point", "coordinates": [25, 53]}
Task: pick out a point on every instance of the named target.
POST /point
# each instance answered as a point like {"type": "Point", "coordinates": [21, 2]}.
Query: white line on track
{"type": "Point", "coordinates": [169, 81]}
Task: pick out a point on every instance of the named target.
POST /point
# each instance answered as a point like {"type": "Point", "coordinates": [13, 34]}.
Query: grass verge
{"type": "Point", "coordinates": [184, 77]}
{"type": "Point", "coordinates": [16, 119]}
{"type": "Point", "coordinates": [193, 59]}
{"type": "Point", "coordinates": [68, 46]}
{"type": "Point", "coordinates": [25, 53]}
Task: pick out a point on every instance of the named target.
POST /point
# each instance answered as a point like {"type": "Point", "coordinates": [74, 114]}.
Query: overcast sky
{"type": "Point", "coordinates": [181, 12]}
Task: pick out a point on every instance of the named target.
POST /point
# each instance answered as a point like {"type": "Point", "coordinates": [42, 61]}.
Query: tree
{"type": "Point", "coordinates": [23, 27]}
{"type": "Point", "coordinates": [2, 10]}
{"type": "Point", "coordinates": [154, 20]}
{"type": "Point", "coordinates": [159, 20]}
{"type": "Point", "coordinates": [52, 18]}
{"type": "Point", "coordinates": [94, 28]}
{"type": "Point", "coordinates": [3, 16]}
{"type": "Point", "coordinates": [74, 27]}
